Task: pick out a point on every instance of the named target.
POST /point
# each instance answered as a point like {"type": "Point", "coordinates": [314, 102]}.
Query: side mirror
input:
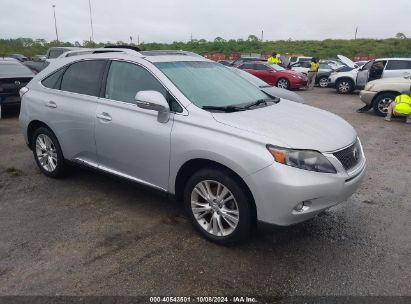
{"type": "Point", "coordinates": [153, 100]}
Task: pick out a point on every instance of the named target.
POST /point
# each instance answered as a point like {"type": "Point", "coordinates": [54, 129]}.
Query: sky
{"type": "Point", "coordinates": [176, 20]}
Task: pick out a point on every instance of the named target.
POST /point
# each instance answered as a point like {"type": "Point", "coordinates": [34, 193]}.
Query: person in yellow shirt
{"type": "Point", "coordinates": [401, 106]}
{"type": "Point", "coordinates": [312, 73]}
{"type": "Point", "coordinates": [273, 59]}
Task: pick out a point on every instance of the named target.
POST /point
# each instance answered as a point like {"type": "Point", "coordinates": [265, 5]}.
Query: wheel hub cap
{"type": "Point", "coordinates": [46, 153]}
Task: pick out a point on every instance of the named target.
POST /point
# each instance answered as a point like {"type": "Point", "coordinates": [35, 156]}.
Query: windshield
{"type": "Point", "coordinates": [210, 83]}
{"type": "Point", "coordinates": [14, 69]}
{"type": "Point", "coordinates": [277, 67]}
{"type": "Point", "coordinates": [251, 78]}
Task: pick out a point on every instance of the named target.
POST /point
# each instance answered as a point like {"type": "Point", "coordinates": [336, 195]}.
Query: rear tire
{"type": "Point", "coordinates": [323, 82]}
{"type": "Point", "coordinates": [218, 206]}
{"type": "Point", "coordinates": [344, 86]}
{"type": "Point", "coordinates": [381, 103]}
{"type": "Point", "coordinates": [47, 153]}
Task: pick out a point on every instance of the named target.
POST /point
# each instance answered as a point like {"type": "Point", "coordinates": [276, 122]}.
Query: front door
{"type": "Point", "coordinates": [363, 75]}
{"type": "Point", "coordinates": [130, 141]}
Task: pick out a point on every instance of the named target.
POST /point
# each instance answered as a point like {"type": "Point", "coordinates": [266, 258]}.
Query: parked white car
{"type": "Point", "coordinates": [378, 94]}
{"type": "Point", "coordinates": [346, 82]}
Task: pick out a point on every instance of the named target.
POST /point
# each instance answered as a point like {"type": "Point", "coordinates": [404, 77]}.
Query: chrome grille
{"type": "Point", "coordinates": [351, 156]}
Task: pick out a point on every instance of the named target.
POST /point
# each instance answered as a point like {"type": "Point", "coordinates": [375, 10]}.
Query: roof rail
{"type": "Point", "coordinates": [169, 52]}
{"type": "Point", "coordinates": [130, 47]}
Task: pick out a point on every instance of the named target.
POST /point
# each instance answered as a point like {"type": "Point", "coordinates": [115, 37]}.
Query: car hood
{"type": "Point", "coordinates": [297, 125]}
{"type": "Point", "coordinates": [347, 61]}
{"type": "Point", "coordinates": [282, 93]}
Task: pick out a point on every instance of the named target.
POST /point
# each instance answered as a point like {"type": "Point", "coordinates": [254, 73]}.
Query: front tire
{"type": "Point", "coordinates": [344, 86]}
{"type": "Point", "coordinates": [47, 153]}
{"type": "Point", "coordinates": [381, 103]}
{"type": "Point", "coordinates": [283, 83]}
{"type": "Point", "coordinates": [218, 206]}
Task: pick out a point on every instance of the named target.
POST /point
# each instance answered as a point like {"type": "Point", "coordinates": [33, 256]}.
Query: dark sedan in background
{"type": "Point", "coordinates": [13, 76]}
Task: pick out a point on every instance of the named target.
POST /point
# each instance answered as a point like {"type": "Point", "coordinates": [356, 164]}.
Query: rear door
{"type": "Point", "coordinates": [397, 68]}
{"type": "Point", "coordinates": [130, 141]}
{"type": "Point", "coordinates": [70, 107]}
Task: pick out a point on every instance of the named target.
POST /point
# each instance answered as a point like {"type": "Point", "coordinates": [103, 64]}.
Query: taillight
{"type": "Point", "coordinates": [23, 91]}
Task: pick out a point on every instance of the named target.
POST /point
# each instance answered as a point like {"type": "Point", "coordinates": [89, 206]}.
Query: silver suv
{"type": "Point", "coordinates": [195, 129]}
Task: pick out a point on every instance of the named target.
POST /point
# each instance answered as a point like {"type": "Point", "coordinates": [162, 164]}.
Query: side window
{"type": "Point", "coordinates": [398, 65]}
{"type": "Point", "coordinates": [125, 79]}
{"type": "Point", "coordinates": [53, 80]}
{"type": "Point", "coordinates": [261, 67]}
{"type": "Point", "coordinates": [247, 66]}
{"type": "Point", "coordinates": [84, 77]}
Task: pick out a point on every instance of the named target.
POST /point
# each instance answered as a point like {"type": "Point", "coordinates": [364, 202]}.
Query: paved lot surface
{"type": "Point", "coordinates": [92, 234]}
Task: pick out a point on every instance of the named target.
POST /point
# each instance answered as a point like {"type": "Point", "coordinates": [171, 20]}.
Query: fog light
{"type": "Point", "coordinates": [299, 207]}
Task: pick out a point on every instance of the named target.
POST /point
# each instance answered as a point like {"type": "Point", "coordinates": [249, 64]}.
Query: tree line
{"type": "Point", "coordinates": [399, 46]}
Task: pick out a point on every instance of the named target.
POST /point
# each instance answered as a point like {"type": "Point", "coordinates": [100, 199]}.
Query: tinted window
{"type": "Point", "coordinates": [398, 65]}
{"type": "Point", "coordinates": [261, 67]}
{"type": "Point", "coordinates": [55, 53]}
{"type": "Point", "coordinates": [124, 80]}
{"type": "Point", "coordinates": [84, 77]}
{"type": "Point", "coordinates": [53, 81]}
{"type": "Point", "coordinates": [247, 66]}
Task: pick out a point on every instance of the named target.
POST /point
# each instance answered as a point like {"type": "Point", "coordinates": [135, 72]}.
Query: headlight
{"type": "Point", "coordinates": [303, 159]}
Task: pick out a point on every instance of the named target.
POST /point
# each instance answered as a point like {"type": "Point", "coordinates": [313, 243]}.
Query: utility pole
{"type": "Point", "coordinates": [191, 37]}
{"type": "Point", "coordinates": [262, 35]}
{"type": "Point", "coordinates": [138, 39]}
{"type": "Point", "coordinates": [55, 21]}
{"type": "Point", "coordinates": [91, 21]}
{"type": "Point", "coordinates": [356, 31]}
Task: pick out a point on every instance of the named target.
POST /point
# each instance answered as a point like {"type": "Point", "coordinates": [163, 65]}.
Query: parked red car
{"type": "Point", "coordinates": [275, 75]}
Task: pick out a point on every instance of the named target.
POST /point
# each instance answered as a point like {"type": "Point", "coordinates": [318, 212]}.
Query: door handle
{"type": "Point", "coordinates": [104, 116]}
{"type": "Point", "coordinates": [51, 104]}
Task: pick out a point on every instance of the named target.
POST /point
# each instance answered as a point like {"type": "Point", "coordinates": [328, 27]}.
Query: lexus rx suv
{"type": "Point", "coordinates": [195, 129]}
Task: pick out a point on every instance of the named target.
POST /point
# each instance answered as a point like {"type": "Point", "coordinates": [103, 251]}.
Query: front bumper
{"type": "Point", "coordinates": [298, 84]}
{"type": "Point", "coordinates": [278, 189]}
{"type": "Point", "coordinates": [367, 97]}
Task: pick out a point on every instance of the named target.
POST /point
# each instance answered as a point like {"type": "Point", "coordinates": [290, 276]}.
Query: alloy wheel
{"type": "Point", "coordinates": [46, 153]}
{"type": "Point", "coordinates": [282, 83]}
{"type": "Point", "coordinates": [344, 87]}
{"type": "Point", "coordinates": [215, 208]}
{"type": "Point", "coordinates": [323, 82]}
{"type": "Point", "coordinates": [383, 105]}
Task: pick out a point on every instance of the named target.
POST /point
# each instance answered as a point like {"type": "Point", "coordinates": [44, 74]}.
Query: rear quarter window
{"type": "Point", "coordinates": [53, 81]}
{"type": "Point", "coordinates": [84, 77]}
{"type": "Point", "coordinates": [398, 65]}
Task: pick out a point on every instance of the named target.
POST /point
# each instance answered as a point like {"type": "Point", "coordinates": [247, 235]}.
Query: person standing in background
{"type": "Point", "coordinates": [312, 72]}
{"type": "Point", "coordinates": [273, 59]}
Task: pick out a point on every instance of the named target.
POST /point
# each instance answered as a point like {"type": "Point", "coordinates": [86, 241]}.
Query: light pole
{"type": "Point", "coordinates": [91, 21]}
{"type": "Point", "coordinates": [55, 21]}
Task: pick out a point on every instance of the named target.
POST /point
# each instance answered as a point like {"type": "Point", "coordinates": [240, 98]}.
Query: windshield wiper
{"type": "Point", "coordinates": [224, 108]}
{"type": "Point", "coordinates": [236, 108]}
{"type": "Point", "coordinates": [261, 101]}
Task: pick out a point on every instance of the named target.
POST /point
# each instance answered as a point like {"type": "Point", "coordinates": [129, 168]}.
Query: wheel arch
{"type": "Point", "coordinates": [384, 92]}
{"type": "Point", "coordinates": [32, 127]}
{"type": "Point", "coordinates": [193, 165]}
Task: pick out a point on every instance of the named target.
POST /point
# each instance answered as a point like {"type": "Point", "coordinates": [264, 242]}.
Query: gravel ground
{"type": "Point", "coordinates": [92, 234]}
